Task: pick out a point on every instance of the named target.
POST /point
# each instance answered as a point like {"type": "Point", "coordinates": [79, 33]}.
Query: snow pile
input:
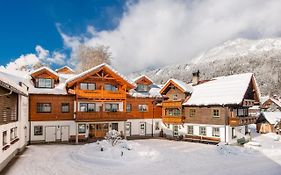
{"type": "Point", "coordinates": [104, 154]}
{"type": "Point", "coordinates": [227, 150]}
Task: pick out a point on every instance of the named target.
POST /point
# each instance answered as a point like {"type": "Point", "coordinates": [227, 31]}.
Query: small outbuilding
{"type": "Point", "coordinates": [269, 122]}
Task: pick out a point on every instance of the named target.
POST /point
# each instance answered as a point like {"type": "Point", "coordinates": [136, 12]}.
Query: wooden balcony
{"type": "Point", "coordinates": [172, 104]}
{"type": "Point", "coordinates": [101, 116]}
{"type": "Point", "coordinates": [100, 94]}
{"type": "Point", "coordinates": [173, 119]}
{"type": "Point", "coordinates": [239, 121]}
{"type": "Point", "coordinates": [248, 103]}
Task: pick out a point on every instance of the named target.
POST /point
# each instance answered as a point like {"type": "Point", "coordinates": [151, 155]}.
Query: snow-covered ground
{"type": "Point", "coordinates": [151, 157]}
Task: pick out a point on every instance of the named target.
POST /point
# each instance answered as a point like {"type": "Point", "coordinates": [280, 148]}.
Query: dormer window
{"type": "Point", "coordinates": [44, 83]}
{"type": "Point", "coordinates": [142, 88]}
{"type": "Point", "coordinates": [88, 86]}
{"type": "Point", "coordinates": [110, 87]}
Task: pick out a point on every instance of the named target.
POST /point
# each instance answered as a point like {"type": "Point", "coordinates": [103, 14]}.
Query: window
{"type": "Point", "coordinates": [143, 108]}
{"type": "Point", "coordinates": [173, 112]}
{"type": "Point", "coordinates": [190, 130]}
{"type": "Point", "coordinates": [44, 107]}
{"type": "Point", "coordinates": [216, 113]}
{"type": "Point", "coordinates": [38, 130]}
{"type": "Point", "coordinates": [44, 83]}
{"type": "Point", "coordinates": [114, 126]}
{"type": "Point", "coordinates": [87, 107]}
{"type": "Point", "coordinates": [5, 141]}
{"type": "Point", "coordinates": [157, 126]}
{"type": "Point", "coordinates": [216, 132]}
{"type": "Point", "coordinates": [88, 86]}
{"type": "Point", "coordinates": [111, 107]}
{"type": "Point", "coordinates": [175, 97]}
{"type": "Point", "coordinates": [110, 87]}
{"type": "Point", "coordinates": [82, 128]}
{"type": "Point", "coordinates": [129, 107]}
{"type": "Point", "coordinates": [65, 107]}
{"type": "Point", "coordinates": [142, 88]}
{"type": "Point", "coordinates": [192, 112]}
{"type": "Point", "coordinates": [176, 130]}
{"type": "Point", "coordinates": [202, 131]}
{"type": "Point", "coordinates": [13, 133]}
{"type": "Point", "coordinates": [242, 112]}
{"type": "Point", "coordinates": [168, 126]}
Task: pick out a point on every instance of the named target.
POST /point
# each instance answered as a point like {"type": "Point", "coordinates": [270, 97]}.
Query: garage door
{"type": "Point", "coordinates": [50, 134]}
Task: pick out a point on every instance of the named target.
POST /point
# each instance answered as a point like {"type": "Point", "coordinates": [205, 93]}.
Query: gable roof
{"type": "Point", "coordinates": [182, 86]}
{"type": "Point", "coordinates": [44, 68]}
{"type": "Point", "coordinates": [65, 67]}
{"type": "Point", "coordinates": [141, 77]}
{"type": "Point", "coordinates": [267, 98]}
{"type": "Point", "coordinates": [272, 117]}
{"type": "Point", "coordinates": [95, 69]}
{"type": "Point", "coordinates": [223, 90]}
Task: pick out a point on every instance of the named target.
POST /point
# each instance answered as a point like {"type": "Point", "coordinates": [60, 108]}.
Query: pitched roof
{"type": "Point", "coordinates": [97, 68]}
{"type": "Point", "coordinates": [142, 76]}
{"type": "Point", "coordinates": [44, 68]}
{"type": "Point", "coordinates": [221, 90]}
{"type": "Point", "coordinates": [266, 98]}
{"type": "Point", "coordinates": [184, 87]}
{"type": "Point", "coordinates": [65, 67]}
{"type": "Point", "coordinates": [152, 93]}
{"type": "Point", "coordinates": [272, 117]}
{"type": "Point", "coordinates": [8, 83]}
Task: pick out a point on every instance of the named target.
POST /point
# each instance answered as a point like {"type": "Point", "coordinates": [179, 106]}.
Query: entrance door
{"type": "Point", "coordinates": [142, 128]}
{"type": "Point", "coordinates": [50, 134]}
{"type": "Point", "coordinates": [176, 130]}
{"type": "Point", "coordinates": [98, 130]}
{"type": "Point", "coordinates": [64, 133]}
{"type": "Point", "coordinates": [128, 128]}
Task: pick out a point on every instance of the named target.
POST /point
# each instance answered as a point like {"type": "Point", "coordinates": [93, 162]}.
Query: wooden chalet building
{"type": "Point", "coordinates": [269, 122]}
{"type": "Point", "coordinates": [66, 106]}
{"type": "Point", "coordinates": [13, 118]}
{"type": "Point", "coordinates": [218, 109]}
{"type": "Point", "coordinates": [270, 104]}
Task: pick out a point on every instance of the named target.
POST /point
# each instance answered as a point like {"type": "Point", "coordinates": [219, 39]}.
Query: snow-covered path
{"type": "Point", "coordinates": [147, 157]}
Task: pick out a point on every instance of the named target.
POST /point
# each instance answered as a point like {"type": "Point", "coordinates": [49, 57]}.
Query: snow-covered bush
{"type": "Point", "coordinates": [113, 136]}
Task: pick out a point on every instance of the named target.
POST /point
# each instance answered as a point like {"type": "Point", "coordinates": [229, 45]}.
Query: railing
{"type": "Point", "coordinates": [172, 104]}
{"type": "Point", "coordinates": [101, 94]}
{"type": "Point", "coordinates": [239, 121]}
{"type": "Point", "coordinates": [101, 116]}
{"type": "Point", "coordinates": [173, 119]}
{"type": "Point", "coordinates": [248, 102]}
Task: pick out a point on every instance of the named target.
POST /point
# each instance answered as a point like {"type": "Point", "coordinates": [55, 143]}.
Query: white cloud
{"type": "Point", "coordinates": [162, 32]}
{"type": "Point", "coordinates": [41, 56]}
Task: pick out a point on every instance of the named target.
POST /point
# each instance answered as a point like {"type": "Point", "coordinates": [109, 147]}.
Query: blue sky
{"type": "Point", "coordinates": [25, 24]}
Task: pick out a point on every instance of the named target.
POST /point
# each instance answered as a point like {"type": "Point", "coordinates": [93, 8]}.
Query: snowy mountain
{"type": "Point", "coordinates": [262, 57]}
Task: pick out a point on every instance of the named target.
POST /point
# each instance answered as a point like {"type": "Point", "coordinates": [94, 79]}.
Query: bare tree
{"type": "Point", "coordinates": [92, 56]}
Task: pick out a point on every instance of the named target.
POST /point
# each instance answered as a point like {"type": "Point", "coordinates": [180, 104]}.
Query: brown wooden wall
{"type": "Point", "coordinates": [8, 107]}
{"type": "Point", "coordinates": [136, 114]}
{"type": "Point", "coordinates": [56, 101]}
{"type": "Point", "coordinates": [204, 115]}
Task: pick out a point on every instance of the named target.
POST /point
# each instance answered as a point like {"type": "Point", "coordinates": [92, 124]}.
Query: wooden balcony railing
{"type": "Point", "coordinates": [172, 104]}
{"type": "Point", "coordinates": [239, 121]}
{"type": "Point", "coordinates": [101, 94]}
{"type": "Point", "coordinates": [248, 102]}
{"type": "Point", "coordinates": [101, 116]}
{"type": "Point", "coordinates": [173, 119]}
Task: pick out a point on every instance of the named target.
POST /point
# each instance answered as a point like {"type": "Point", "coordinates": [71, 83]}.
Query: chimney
{"type": "Point", "coordinates": [195, 78]}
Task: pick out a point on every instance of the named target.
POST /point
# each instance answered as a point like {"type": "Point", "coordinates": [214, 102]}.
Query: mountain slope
{"type": "Point", "coordinates": [262, 57]}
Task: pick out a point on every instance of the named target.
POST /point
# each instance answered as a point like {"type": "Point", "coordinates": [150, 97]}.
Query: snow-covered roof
{"type": "Point", "coordinates": [272, 117]}
{"type": "Point", "coordinates": [152, 93]}
{"type": "Point", "coordinates": [65, 67]}
{"type": "Point", "coordinates": [266, 98]}
{"type": "Point", "coordinates": [141, 76]}
{"type": "Point", "coordinates": [9, 83]}
{"type": "Point", "coordinates": [97, 67]}
{"type": "Point", "coordinates": [184, 86]}
{"type": "Point", "coordinates": [221, 90]}
{"type": "Point", "coordinates": [46, 68]}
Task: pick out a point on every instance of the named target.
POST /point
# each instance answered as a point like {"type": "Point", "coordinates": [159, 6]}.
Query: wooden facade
{"type": "Point", "coordinates": [8, 106]}
{"type": "Point", "coordinates": [56, 102]}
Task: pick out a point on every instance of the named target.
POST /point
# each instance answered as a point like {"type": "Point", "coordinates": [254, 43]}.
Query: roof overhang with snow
{"type": "Point", "coordinates": [182, 86]}
{"type": "Point", "coordinates": [118, 76]}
